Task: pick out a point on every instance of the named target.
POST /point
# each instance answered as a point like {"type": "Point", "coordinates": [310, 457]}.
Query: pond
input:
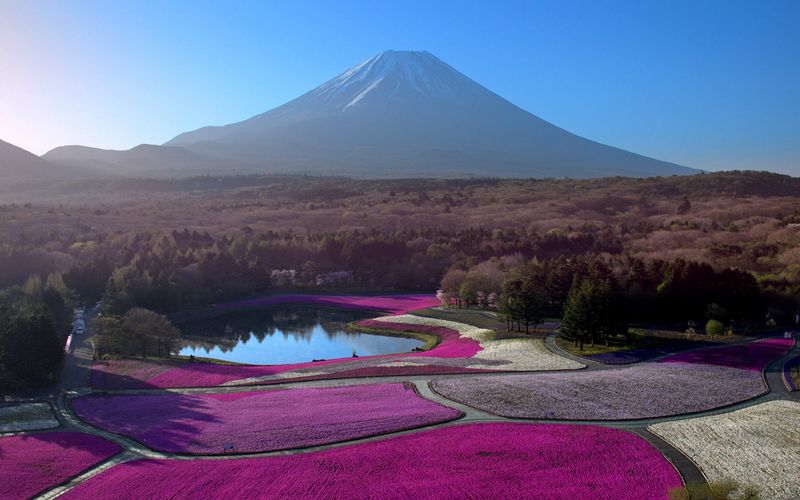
{"type": "Point", "coordinates": [285, 335]}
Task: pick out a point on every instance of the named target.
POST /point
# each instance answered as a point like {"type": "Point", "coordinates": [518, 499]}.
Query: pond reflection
{"type": "Point", "coordinates": [285, 335]}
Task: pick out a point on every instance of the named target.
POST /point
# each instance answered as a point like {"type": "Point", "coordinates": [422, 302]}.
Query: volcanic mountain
{"type": "Point", "coordinates": [398, 114]}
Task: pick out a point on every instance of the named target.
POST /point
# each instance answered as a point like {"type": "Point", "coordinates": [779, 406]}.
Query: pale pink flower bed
{"type": "Point", "coordinates": [680, 384]}
{"type": "Point", "coordinates": [494, 460]}
{"type": "Point", "coordinates": [248, 422]}
{"type": "Point", "coordinates": [30, 464]}
{"type": "Point", "coordinates": [392, 371]}
{"type": "Point", "coordinates": [392, 304]}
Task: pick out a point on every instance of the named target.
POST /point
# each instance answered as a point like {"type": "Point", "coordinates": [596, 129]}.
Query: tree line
{"type": "Point", "coordinates": [167, 272]}
{"type": "Point", "coordinates": [597, 296]}
{"type": "Point", "coordinates": [138, 332]}
{"type": "Point", "coordinates": [526, 275]}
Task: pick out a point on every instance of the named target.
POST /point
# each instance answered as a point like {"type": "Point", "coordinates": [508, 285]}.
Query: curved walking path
{"type": "Point", "coordinates": [550, 343]}
{"type": "Point", "coordinates": [133, 450]}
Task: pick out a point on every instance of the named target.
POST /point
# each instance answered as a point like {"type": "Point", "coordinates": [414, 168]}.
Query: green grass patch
{"type": "Point", "coordinates": [177, 358]}
{"type": "Point", "coordinates": [201, 359]}
{"type": "Point", "coordinates": [643, 338]}
{"type": "Point", "coordinates": [429, 340]}
{"type": "Point", "coordinates": [589, 350]}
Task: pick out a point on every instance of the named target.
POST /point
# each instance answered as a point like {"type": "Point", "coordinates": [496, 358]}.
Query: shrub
{"type": "Point", "coordinates": [719, 490]}
{"type": "Point", "coordinates": [139, 332]}
{"type": "Point", "coordinates": [714, 327]}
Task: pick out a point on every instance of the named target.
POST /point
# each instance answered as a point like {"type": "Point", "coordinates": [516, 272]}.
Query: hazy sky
{"type": "Point", "coordinates": [713, 85]}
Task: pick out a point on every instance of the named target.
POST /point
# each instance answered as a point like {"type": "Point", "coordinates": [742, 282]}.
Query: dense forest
{"type": "Point", "coordinates": [34, 323]}
{"type": "Point", "coordinates": [669, 249]}
{"type": "Point", "coordinates": [400, 234]}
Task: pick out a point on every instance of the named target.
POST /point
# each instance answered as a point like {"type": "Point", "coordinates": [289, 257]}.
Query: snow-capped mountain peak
{"type": "Point", "coordinates": [393, 74]}
{"type": "Point", "coordinates": [409, 113]}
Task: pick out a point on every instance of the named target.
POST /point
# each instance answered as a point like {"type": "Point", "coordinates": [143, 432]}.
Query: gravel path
{"type": "Point", "coordinates": [27, 417]}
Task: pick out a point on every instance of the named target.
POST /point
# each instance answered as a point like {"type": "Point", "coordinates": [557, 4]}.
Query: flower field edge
{"type": "Point", "coordinates": [262, 421]}
{"type": "Point", "coordinates": [65, 454]}
{"type": "Point", "coordinates": [619, 463]}
{"type": "Point", "coordinates": [457, 340]}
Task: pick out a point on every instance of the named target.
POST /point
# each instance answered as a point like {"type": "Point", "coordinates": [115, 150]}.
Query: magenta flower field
{"type": "Point", "coordinates": [144, 374]}
{"type": "Point", "coordinates": [139, 374]}
{"type": "Point", "coordinates": [392, 304]}
{"type": "Point", "coordinates": [261, 421]}
{"type": "Point", "coordinates": [30, 464]}
{"type": "Point", "coordinates": [451, 344]}
{"type": "Point", "coordinates": [475, 460]}
{"type": "Point", "coordinates": [754, 356]}
{"type": "Point", "coordinates": [684, 383]}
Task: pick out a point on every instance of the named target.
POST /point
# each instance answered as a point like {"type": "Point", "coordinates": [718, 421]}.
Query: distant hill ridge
{"type": "Point", "coordinates": [310, 188]}
{"type": "Point", "coordinates": [17, 163]}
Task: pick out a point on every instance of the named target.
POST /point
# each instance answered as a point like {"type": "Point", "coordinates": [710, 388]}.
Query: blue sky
{"type": "Point", "coordinates": [713, 85]}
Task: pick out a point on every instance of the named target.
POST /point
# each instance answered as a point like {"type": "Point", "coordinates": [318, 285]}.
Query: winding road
{"type": "Point", "coordinates": [74, 383]}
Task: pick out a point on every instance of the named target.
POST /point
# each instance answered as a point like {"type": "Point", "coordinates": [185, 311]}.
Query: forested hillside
{"type": "Point", "coordinates": [166, 245]}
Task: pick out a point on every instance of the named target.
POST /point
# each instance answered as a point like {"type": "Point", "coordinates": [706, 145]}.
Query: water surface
{"type": "Point", "coordinates": [285, 334]}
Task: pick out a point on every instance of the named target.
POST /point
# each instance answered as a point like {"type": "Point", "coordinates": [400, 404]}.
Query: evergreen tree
{"type": "Point", "coordinates": [577, 320]}
{"type": "Point", "coordinates": [590, 313]}
{"type": "Point", "coordinates": [31, 351]}
{"type": "Point", "coordinates": [511, 304]}
{"type": "Point", "coordinates": [533, 300]}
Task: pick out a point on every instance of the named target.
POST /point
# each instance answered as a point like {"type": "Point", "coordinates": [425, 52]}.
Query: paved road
{"type": "Point", "coordinates": [77, 365]}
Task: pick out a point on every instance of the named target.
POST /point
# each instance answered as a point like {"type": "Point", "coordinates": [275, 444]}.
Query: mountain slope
{"type": "Point", "coordinates": [145, 159]}
{"type": "Point", "coordinates": [397, 114]}
{"type": "Point", "coordinates": [409, 113]}
{"type": "Point", "coordinates": [19, 164]}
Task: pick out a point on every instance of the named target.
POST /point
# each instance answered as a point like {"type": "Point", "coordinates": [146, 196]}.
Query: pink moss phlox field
{"type": "Point", "coordinates": [183, 375]}
{"type": "Point", "coordinates": [392, 371]}
{"type": "Point", "coordinates": [261, 421]}
{"type": "Point", "coordinates": [754, 356]}
{"type": "Point", "coordinates": [494, 460]}
{"type": "Point", "coordinates": [141, 374]}
{"type": "Point", "coordinates": [646, 390]}
{"type": "Point", "coordinates": [452, 345]}
{"type": "Point", "coordinates": [30, 464]}
{"type": "Point", "coordinates": [127, 373]}
{"type": "Point", "coordinates": [392, 304]}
